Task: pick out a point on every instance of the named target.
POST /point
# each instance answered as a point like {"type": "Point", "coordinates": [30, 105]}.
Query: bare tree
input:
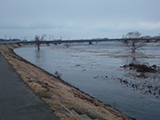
{"type": "Point", "coordinates": [38, 40]}
{"type": "Point", "coordinates": [132, 42]}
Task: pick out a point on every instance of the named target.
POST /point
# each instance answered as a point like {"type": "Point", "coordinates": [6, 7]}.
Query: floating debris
{"type": "Point", "coordinates": [142, 67]}
{"type": "Point", "coordinates": [57, 74]}
{"type": "Point", "coordinates": [77, 65]}
{"type": "Point", "coordinates": [144, 87]}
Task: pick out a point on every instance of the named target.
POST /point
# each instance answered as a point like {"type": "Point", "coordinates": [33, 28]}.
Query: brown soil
{"type": "Point", "coordinates": [56, 93]}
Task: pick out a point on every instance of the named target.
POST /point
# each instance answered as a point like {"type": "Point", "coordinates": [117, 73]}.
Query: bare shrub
{"type": "Point", "coordinates": [132, 41]}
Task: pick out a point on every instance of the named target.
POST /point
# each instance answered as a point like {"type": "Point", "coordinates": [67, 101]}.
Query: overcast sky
{"type": "Point", "coordinates": [77, 19]}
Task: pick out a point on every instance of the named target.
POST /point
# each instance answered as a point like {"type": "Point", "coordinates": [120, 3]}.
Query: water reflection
{"type": "Point", "coordinates": [39, 57]}
{"type": "Point", "coordinates": [135, 58]}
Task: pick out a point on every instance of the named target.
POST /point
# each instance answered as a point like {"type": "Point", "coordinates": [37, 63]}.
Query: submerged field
{"type": "Point", "coordinates": [99, 71]}
{"type": "Point", "coordinates": [58, 95]}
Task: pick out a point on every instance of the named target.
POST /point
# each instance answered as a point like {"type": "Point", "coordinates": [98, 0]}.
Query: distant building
{"type": "Point", "coordinates": [156, 37]}
{"type": "Point", "coordinates": [147, 37]}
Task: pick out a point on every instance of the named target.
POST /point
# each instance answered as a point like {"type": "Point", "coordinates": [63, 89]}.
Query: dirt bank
{"type": "Point", "coordinates": [59, 96]}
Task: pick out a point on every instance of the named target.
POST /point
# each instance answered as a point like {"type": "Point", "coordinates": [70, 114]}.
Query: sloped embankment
{"type": "Point", "coordinates": [59, 96]}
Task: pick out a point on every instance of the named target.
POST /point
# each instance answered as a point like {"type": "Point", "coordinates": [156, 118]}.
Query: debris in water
{"type": "Point", "coordinates": [142, 67]}
{"type": "Point", "coordinates": [58, 75]}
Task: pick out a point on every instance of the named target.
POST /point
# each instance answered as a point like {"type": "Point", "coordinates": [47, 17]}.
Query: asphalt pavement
{"type": "Point", "coordinates": [17, 101]}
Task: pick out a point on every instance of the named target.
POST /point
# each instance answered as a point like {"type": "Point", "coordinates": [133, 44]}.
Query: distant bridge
{"type": "Point", "coordinates": [70, 41]}
{"type": "Point", "coordinates": [79, 41]}
{"type": "Point", "coordinates": [90, 41]}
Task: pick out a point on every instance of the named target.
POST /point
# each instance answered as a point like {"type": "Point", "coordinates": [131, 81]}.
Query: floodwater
{"type": "Point", "coordinates": [97, 70]}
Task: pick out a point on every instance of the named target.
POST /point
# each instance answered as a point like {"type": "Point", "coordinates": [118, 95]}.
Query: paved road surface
{"type": "Point", "coordinates": [17, 101]}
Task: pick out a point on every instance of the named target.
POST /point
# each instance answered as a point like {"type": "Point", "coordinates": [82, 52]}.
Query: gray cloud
{"type": "Point", "coordinates": [78, 18]}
